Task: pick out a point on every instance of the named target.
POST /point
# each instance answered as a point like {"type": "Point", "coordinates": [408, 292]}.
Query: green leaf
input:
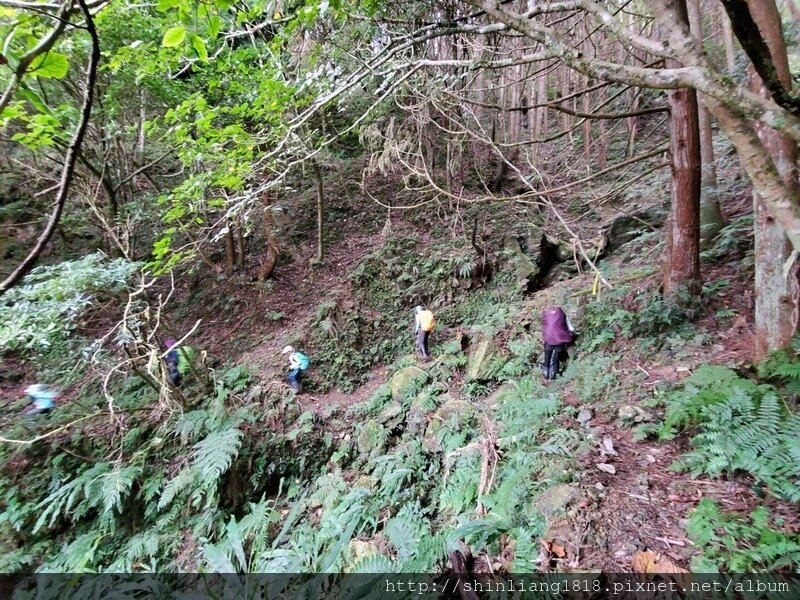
{"type": "Point", "coordinates": [50, 65]}
{"type": "Point", "coordinates": [200, 47]}
{"type": "Point", "coordinates": [174, 37]}
{"type": "Point", "coordinates": [235, 540]}
{"type": "Point", "coordinates": [214, 26]}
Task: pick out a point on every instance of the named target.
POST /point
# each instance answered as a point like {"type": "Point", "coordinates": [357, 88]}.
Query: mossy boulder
{"type": "Point", "coordinates": [371, 439]}
{"type": "Point", "coordinates": [483, 361]}
{"type": "Point", "coordinates": [391, 415]}
{"type": "Point", "coordinates": [454, 414]}
{"type": "Point", "coordinates": [555, 500]}
{"type": "Point", "coordinates": [523, 268]}
{"type": "Point", "coordinates": [496, 398]}
{"type": "Point", "coordinates": [628, 227]}
{"type": "Point", "coordinates": [402, 379]}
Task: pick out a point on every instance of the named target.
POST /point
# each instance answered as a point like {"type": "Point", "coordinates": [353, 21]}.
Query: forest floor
{"type": "Point", "coordinates": [628, 501]}
{"type": "Point", "coordinates": [618, 517]}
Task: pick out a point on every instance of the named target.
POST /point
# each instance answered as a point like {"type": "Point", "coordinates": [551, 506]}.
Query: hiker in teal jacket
{"type": "Point", "coordinates": [298, 363]}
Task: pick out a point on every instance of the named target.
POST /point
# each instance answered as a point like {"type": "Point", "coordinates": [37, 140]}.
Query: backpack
{"type": "Point", "coordinates": [426, 320]}
{"type": "Point", "coordinates": [303, 360]}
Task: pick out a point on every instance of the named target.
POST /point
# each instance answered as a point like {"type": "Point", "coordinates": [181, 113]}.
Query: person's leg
{"type": "Point", "coordinates": [548, 351]}
{"type": "Point", "coordinates": [294, 379]}
{"type": "Point", "coordinates": [33, 411]}
{"type": "Point", "coordinates": [554, 360]}
{"type": "Point", "coordinates": [425, 336]}
{"type": "Point", "coordinates": [563, 358]}
{"type": "Point", "coordinates": [421, 343]}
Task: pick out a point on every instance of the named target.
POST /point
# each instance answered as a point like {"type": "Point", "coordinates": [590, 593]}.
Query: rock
{"type": "Point", "coordinates": [556, 499]}
{"type": "Point", "coordinates": [402, 379]}
{"type": "Point", "coordinates": [607, 468]}
{"type": "Point", "coordinates": [495, 399]}
{"type": "Point", "coordinates": [584, 416]}
{"type": "Point", "coordinates": [628, 227]}
{"type": "Point", "coordinates": [454, 414]}
{"type": "Point", "coordinates": [599, 486]}
{"type": "Point", "coordinates": [361, 549]}
{"type": "Point", "coordinates": [607, 447]}
{"type": "Point", "coordinates": [482, 361]}
{"type": "Point", "coordinates": [629, 414]}
{"type": "Point", "coordinates": [524, 269]}
{"type": "Point", "coordinates": [388, 416]}
{"type": "Point", "coordinates": [370, 439]}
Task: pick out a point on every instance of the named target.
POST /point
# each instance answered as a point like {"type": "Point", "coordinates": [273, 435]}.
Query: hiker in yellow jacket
{"type": "Point", "coordinates": [425, 323]}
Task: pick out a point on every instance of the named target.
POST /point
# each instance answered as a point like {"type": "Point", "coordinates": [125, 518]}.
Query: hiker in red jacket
{"type": "Point", "coordinates": [557, 334]}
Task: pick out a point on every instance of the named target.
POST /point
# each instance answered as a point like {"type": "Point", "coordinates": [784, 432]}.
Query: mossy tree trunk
{"type": "Point", "coordinates": [777, 277]}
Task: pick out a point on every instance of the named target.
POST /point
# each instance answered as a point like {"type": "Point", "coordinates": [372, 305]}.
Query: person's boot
{"type": "Point", "coordinates": [545, 371]}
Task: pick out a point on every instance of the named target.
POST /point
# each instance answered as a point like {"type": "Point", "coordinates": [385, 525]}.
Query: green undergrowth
{"type": "Point", "coordinates": [374, 319]}
{"type": "Point", "coordinates": [211, 489]}
{"type": "Point", "coordinates": [740, 426]}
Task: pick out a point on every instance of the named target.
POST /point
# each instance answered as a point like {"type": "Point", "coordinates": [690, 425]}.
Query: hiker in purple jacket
{"type": "Point", "coordinates": [557, 334]}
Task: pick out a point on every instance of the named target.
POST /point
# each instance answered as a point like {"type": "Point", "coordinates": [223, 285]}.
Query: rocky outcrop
{"type": "Point", "coordinates": [482, 361]}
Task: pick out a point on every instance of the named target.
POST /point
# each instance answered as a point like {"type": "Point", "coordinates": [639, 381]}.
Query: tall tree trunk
{"type": "Point", "coordinates": [682, 268]}
{"type": "Point", "coordinates": [602, 141]}
{"type": "Point", "coordinates": [711, 220]}
{"type": "Point", "coordinates": [239, 243]}
{"type": "Point", "coordinates": [632, 123]}
{"type": "Point", "coordinates": [727, 37]}
{"type": "Point", "coordinates": [273, 249]}
{"type": "Point", "coordinates": [541, 95]}
{"type": "Point", "coordinates": [777, 277]}
{"type": "Point", "coordinates": [320, 212]}
{"type": "Point", "coordinates": [230, 248]}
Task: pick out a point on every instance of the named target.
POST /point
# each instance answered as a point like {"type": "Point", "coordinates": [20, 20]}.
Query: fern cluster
{"type": "Point", "coordinates": [741, 426]}
{"type": "Point", "coordinates": [737, 545]}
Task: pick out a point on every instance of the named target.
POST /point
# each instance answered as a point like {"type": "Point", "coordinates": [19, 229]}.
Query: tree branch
{"type": "Point", "coordinates": [749, 36]}
{"type": "Point", "coordinates": [69, 160]}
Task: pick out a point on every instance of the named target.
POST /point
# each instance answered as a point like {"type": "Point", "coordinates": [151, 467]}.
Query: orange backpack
{"type": "Point", "coordinates": [426, 320]}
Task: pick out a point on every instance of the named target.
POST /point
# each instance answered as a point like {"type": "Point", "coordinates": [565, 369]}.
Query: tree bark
{"type": "Point", "coordinates": [777, 274]}
{"type": "Point", "coordinates": [273, 249]}
{"type": "Point", "coordinates": [682, 267]}
{"type": "Point", "coordinates": [230, 248]}
{"type": "Point", "coordinates": [320, 211]}
{"type": "Point", "coordinates": [71, 156]}
{"type": "Point", "coordinates": [711, 219]}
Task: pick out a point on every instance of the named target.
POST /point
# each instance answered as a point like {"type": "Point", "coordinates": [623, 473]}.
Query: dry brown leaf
{"type": "Point", "coordinates": [557, 550]}
{"type": "Point", "coordinates": [650, 562]}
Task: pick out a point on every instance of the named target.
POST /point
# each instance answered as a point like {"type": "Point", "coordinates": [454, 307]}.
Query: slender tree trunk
{"type": "Point", "coordinates": [727, 36]}
{"type": "Point", "coordinates": [239, 243]}
{"type": "Point", "coordinates": [777, 274]}
{"type": "Point", "coordinates": [711, 220]}
{"type": "Point", "coordinates": [541, 94]}
{"type": "Point", "coordinates": [320, 211]}
{"type": "Point", "coordinates": [682, 268]}
{"type": "Point", "coordinates": [230, 248]}
{"type": "Point", "coordinates": [602, 141]}
{"type": "Point", "coordinates": [632, 123]}
{"type": "Point", "coordinates": [273, 249]}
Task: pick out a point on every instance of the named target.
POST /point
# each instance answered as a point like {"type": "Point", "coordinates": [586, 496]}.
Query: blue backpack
{"type": "Point", "coordinates": [304, 361]}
